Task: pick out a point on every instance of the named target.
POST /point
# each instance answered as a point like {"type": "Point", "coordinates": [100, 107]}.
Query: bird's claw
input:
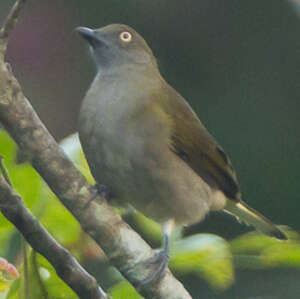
{"type": "Point", "coordinates": [159, 263]}
{"type": "Point", "coordinates": [8, 66]}
{"type": "Point", "coordinates": [103, 191]}
{"type": "Point", "coordinates": [99, 189]}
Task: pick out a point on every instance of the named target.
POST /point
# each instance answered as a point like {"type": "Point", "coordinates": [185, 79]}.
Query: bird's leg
{"type": "Point", "coordinates": [102, 190]}
{"type": "Point", "coordinates": [161, 259]}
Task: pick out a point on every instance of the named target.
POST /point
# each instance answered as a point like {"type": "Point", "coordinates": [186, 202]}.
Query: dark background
{"type": "Point", "coordinates": [236, 62]}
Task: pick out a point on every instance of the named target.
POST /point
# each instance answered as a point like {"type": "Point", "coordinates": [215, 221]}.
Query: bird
{"type": "Point", "coordinates": [146, 145]}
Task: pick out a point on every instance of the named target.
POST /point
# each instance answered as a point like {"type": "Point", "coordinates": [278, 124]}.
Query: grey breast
{"type": "Point", "coordinates": [141, 173]}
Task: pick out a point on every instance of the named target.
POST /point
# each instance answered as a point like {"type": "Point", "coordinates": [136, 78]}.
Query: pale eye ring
{"type": "Point", "coordinates": [126, 36]}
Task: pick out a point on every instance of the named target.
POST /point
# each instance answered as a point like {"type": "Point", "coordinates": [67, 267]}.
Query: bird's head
{"type": "Point", "coordinates": [117, 44]}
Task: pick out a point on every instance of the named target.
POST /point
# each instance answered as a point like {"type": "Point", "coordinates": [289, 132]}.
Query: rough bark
{"type": "Point", "coordinates": [125, 248]}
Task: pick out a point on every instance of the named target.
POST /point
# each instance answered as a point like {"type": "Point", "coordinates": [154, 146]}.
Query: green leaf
{"type": "Point", "coordinates": [7, 151]}
{"type": "Point", "coordinates": [39, 283]}
{"type": "Point", "coordinates": [72, 148]}
{"type": "Point", "coordinates": [149, 227]}
{"type": "Point", "coordinates": [54, 286]}
{"type": "Point", "coordinates": [256, 251]}
{"type": "Point", "coordinates": [251, 243]}
{"type": "Point", "coordinates": [8, 148]}
{"type": "Point", "coordinates": [13, 290]}
{"type": "Point", "coordinates": [123, 290]}
{"type": "Point", "coordinates": [4, 285]}
{"type": "Point", "coordinates": [206, 255]}
{"type": "Point", "coordinates": [282, 255]}
{"type": "Point", "coordinates": [254, 242]}
{"type": "Point", "coordinates": [59, 221]}
{"type": "Point", "coordinates": [27, 182]}
{"type": "Point", "coordinates": [6, 232]}
{"type": "Point", "coordinates": [24, 178]}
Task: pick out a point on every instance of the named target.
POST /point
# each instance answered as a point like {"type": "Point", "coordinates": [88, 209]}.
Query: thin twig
{"type": "Point", "coordinates": [66, 266]}
{"type": "Point", "coordinates": [124, 247]}
{"type": "Point", "coordinates": [9, 25]}
{"type": "Point", "coordinates": [11, 19]}
{"type": "Point", "coordinates": [4, 171]}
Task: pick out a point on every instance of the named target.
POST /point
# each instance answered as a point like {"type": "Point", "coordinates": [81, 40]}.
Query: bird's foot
{"type": "Point", "coordinates": [159, 263]}
{"type": "Point", "coordinates": [99, 189]}
{"type": "Point", "coordinates": [103, 191]}
{"type": "Point", "coordinates": [161, 258]}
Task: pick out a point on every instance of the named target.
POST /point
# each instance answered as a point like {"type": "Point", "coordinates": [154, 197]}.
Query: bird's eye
{"type": "Point", "coordinates": [126, 36]}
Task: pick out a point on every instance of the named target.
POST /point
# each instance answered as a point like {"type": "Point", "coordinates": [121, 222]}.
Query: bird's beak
{"type": "Point", "coordinates": [89, 34]}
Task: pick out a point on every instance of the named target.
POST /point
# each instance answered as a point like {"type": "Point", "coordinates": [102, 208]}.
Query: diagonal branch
{"type": "Point", "coordinates": [66, 266]}
{"type": "Point", "coordinates": [11, 19]}
{"type": "Point", "coordinates": [12, 207]}
{"type": "Point", "coordinates": [124, 247]}
{"type": "Point", "coordinates": [10, 24]}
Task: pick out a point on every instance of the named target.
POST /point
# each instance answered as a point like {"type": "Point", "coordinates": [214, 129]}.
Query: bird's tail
{"type": "Point", "coordinates": [251, 217]}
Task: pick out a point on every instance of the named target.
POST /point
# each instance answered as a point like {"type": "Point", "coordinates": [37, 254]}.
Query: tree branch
{"type": "Point", "coordinates": [124, 247]}
{"type": "Point", "coordinates": [66, 266]}
{"type": "Point", "coordinates": [10, 24]}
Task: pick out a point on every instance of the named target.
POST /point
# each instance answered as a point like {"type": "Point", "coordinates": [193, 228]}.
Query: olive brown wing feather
{"type": "Point", "coordinates": [192, 142]}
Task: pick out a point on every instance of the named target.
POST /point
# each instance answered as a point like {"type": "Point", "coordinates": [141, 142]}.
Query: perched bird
{"type": "Point", "coordinates": [145, 143]}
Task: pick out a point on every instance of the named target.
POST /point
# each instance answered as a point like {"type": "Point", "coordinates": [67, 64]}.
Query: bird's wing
{"type": "Point", "coordinates": [192, 142]}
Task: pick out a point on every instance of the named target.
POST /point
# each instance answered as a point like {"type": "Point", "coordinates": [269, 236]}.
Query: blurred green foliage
{"type": "Point", "coordinates": [8, 273]}
{"type": "Point", "coordinates": [236, 62]}
{"type": "Point", "coordinates": [42, 281]}
{"type": "Point", "coordinates": [206, 256]}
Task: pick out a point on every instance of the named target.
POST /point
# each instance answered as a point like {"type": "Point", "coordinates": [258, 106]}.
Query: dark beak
{"type": "Point", "coordinates": [89, 34]}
